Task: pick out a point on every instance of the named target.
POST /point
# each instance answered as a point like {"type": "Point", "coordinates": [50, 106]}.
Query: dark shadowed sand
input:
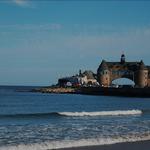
{"type": "Point", "coordinates": [142, 145]}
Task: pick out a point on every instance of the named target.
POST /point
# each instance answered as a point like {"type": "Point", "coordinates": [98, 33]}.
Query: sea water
{"type": "Point", "coordinates": [51, 121]}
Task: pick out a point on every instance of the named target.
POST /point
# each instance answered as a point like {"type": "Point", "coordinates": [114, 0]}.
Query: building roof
{"type": "Point", "coordinates": [89, 74]}
{"type": "Point", "coordinates": [129, 65]}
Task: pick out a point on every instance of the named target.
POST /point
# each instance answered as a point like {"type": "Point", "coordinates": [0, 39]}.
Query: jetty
{"type": "Point", "coordinates": [111, 91]}
{"type": "Point", "coordinates": [103, 91]}
{"type": "Point", "coordinates": [57, 90]}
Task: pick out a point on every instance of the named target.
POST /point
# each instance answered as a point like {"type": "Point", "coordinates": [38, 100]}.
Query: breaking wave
{"type": "Point", "coordinates": [73, 114]}
{"type": "Point", "coordinates": [78, 143]}
{"type": "Point", "coordinates": [102, 113]}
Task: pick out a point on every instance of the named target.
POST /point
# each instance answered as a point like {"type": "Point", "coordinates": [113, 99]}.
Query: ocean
{"type": "Point", "coordinates": [37, 121]}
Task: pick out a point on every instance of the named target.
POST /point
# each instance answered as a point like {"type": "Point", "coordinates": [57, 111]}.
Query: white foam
{"type": "Point", "coordinates": [102, 113]}
{"type": "Point", "coordinates": [77, 143]}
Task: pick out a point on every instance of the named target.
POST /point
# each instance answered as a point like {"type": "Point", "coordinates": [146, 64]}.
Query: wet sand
{"type": "Point", "coordinates": [142, 145]}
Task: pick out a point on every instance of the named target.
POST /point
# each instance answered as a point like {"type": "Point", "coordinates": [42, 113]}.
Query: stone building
{"type": "Point", "coordinates": [138, 72]}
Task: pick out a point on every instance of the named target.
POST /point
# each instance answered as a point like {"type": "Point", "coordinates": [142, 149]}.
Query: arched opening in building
{"type": "Point", "coordinates": [123, 82]}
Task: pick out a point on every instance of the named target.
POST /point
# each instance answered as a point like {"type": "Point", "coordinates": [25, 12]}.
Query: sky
{"type": "Point", "coordinates": [41, 41]}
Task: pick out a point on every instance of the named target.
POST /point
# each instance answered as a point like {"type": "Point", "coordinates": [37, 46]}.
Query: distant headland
{"type": "Point", "coordinates": [101, 83]}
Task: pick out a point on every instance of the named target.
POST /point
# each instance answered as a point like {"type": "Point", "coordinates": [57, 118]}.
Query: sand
{"type": "Point", "coordinates": [142, 145]}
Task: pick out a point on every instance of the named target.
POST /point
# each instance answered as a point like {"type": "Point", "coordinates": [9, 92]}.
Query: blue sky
{"type": "Point", "coordinates": [41, 41]}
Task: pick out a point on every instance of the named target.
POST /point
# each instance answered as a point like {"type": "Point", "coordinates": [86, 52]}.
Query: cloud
{"type": "Point", "coordinates": [133, 41]}
{"type": "Point", "coordinates": [30, 46]}
{"type": "Point", "coordinates": [22, 3]}
{"type": "Point", "coordinates": [84, 43]}
{"type": "Point", "coordinates": [32, 27]}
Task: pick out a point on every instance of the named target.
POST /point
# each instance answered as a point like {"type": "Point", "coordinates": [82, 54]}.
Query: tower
{"type": "Point", "coordinates": [80, 72]}
{"type": "Point", "coordinates": [142, 75]}
{"type": "Point", "coordinates": [122, 60]}
{"type": "Point", "coordinates": [103, 74]}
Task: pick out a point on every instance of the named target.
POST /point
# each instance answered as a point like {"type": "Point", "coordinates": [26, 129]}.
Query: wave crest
{"type": "Point", "coordinates": [102, 113]}
{"type": "Point", "coordinates": [73, 114]}
{"type": "Point", "coordinates": [51, 145]}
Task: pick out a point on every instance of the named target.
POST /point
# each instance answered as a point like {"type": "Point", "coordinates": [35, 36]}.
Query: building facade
{"type": "Point", "coordinates": [138, 72]}
{"type": "Point", "coordinates": [85, 78]}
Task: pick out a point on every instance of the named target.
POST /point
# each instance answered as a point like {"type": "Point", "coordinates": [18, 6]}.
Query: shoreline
{"type": "Point", "coordinates": [137, 145]}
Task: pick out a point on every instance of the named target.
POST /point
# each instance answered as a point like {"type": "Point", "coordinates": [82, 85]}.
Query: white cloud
{"type": "Point", "coordinates": [23, 3]}
{"type": "Point", "coordinates": [66, 52]}
{"type": "Point", "coordinates": [51, 37]}
{"type": "Point", "coordinates": [134, 42]}
{"type": "Point", "coordinates": [33, 27]}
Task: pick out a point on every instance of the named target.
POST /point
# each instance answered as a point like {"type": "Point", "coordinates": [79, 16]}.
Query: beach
{"type": "Point", "coordinates": [140, 145]}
